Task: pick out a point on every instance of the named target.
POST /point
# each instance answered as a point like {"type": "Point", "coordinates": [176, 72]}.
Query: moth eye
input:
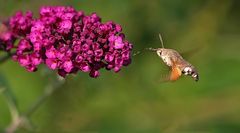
{"type": "Point", "coordinates": [159, 52]}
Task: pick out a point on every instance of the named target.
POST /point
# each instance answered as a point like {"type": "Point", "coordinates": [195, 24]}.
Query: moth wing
{"type": "Point", "coordinates": [190, 53]}
{"type": "Point", "coordinates": [164, 75]}
{"type": "Point", "coordinates": [175, 73]}
{"type": "Point", "coordinates": [164, 78]}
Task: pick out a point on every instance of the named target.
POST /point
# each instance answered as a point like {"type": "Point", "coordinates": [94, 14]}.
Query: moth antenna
{"type": "Point", "coordinates": [161, 40]}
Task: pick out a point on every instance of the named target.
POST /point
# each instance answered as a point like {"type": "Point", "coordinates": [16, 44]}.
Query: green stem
{"type": "Point", "coordinates": [50, 89]}
{"type": "Point", "coordinates": [23, 120]}
{"type": "Point", "coordinates": [12, 105]}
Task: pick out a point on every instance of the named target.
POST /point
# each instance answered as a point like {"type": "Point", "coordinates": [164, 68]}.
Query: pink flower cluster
{"type": "Point", "coordinates": [68, 41]}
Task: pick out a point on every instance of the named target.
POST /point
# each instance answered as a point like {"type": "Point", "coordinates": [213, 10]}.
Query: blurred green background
{"type": "Point", "coordinates": [133, 100]}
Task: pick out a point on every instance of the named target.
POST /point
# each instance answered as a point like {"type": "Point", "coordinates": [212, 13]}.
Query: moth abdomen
{"type": "Point", "coordinates": [195, 76]}
{"type": "Point", "coordinates": [189, 70]}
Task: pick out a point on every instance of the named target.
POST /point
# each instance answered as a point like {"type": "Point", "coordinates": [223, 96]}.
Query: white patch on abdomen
{"type": "Point", "coordinates": [187, 70]}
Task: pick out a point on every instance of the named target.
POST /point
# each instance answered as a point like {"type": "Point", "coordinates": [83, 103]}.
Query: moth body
{"type": "Point", "coordinates": [175, 61]}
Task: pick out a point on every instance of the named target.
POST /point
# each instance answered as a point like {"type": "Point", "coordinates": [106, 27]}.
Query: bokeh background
{"type": "Point", "coordinates": [134, 100]}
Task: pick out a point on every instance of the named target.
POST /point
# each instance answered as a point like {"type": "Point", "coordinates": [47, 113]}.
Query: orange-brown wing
{"type": "Point", "coordinates": [175, 73]}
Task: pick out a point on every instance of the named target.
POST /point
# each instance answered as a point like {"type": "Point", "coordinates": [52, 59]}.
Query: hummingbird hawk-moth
{"type": "Point", "coordinates": [175, 62]}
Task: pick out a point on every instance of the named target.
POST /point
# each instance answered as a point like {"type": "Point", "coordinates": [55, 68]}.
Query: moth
{"type": "Point", "coordinates": [177, 64]}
